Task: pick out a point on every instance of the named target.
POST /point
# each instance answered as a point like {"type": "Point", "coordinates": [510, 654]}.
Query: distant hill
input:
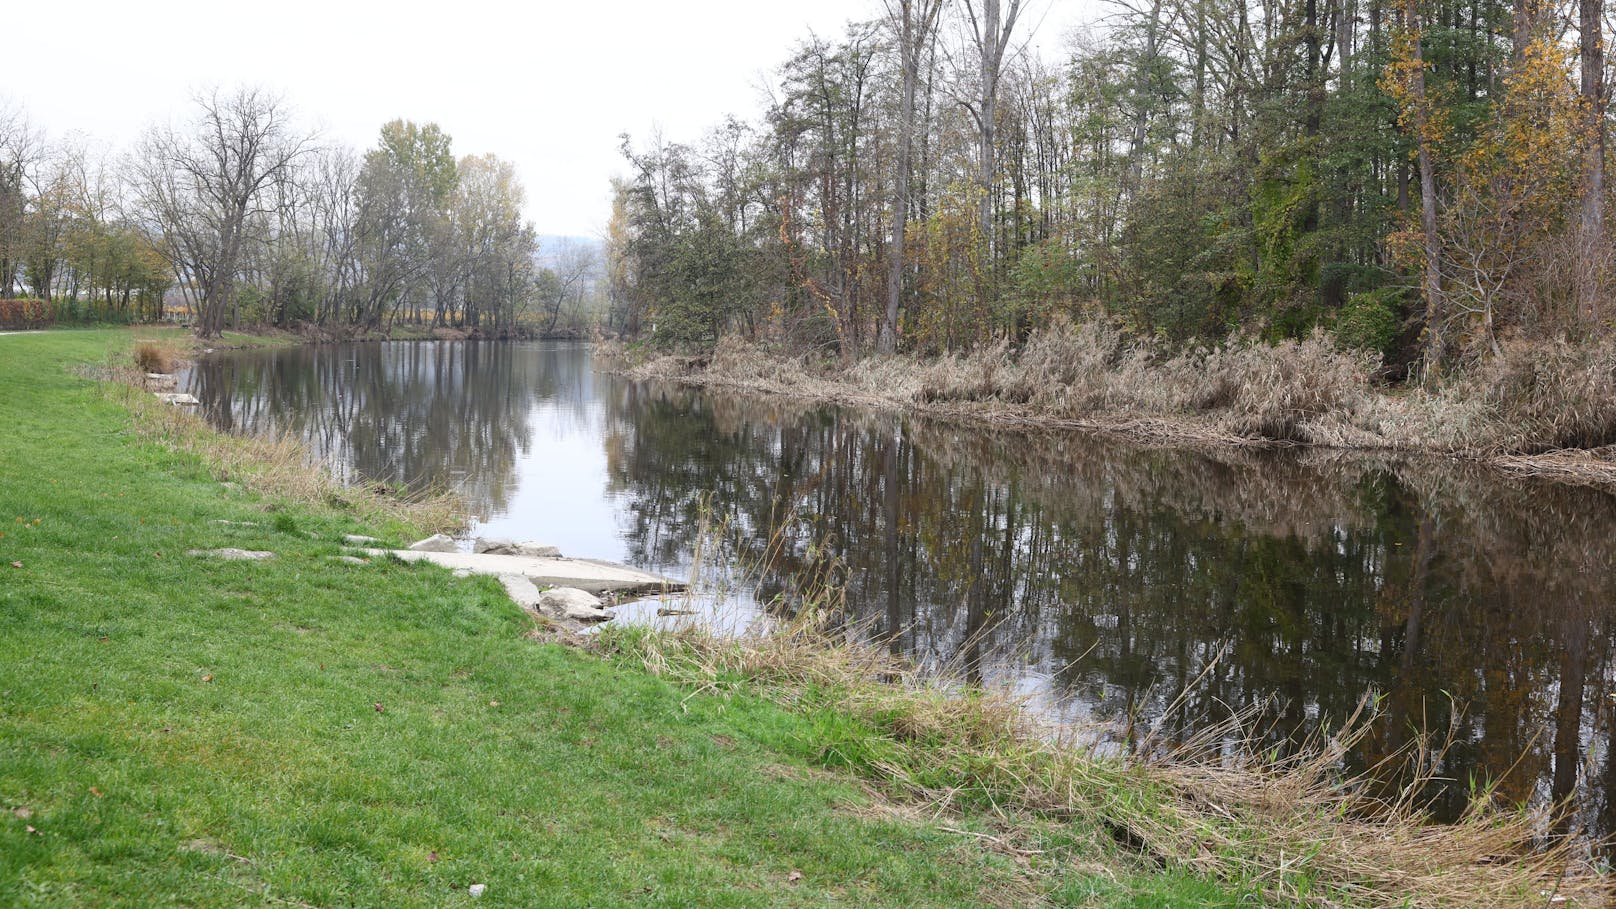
{"type": "Point", "coordinates": [551, 247]}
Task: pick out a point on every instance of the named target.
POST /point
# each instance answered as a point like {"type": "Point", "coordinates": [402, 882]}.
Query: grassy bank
{"type": "Point", "coordinates": [183, 731]}
{"type": "Point", "coordinates": [1537, 408]}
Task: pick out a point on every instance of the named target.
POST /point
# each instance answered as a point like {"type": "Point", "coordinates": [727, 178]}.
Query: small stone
{"type": "Point", "coordinates": [477, 889]}
{"type": "Point", "coordinates": [438, 542]}
{"type": "Point", "coordinates": [354, 539]}
{"type": "Point", "coordinates": [572, 603]}
{"type": "Point", "coordinates": [232, 555]}
{"type": "Point", "coordinates": [178, 399]}
{"type": "Point", "coordinates": [350, 560]}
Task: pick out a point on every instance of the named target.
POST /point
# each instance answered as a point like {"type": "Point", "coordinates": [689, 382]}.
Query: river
{"type": "Point", "coordinates": [1099, 578]}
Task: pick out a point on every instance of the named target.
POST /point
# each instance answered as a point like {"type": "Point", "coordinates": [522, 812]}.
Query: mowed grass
{"type": "Point", "coordinates": [177, 731]}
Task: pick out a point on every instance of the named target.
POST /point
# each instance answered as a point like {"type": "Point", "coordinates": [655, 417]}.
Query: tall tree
{"type": "Point", "coordinates": [199, 188]}
{"type": "Point", "coordinates": [991, 32]}
{"type": "Point", "coordinates": [1592, 252]}
{"type": "Point", "coordinates": [914, 23]}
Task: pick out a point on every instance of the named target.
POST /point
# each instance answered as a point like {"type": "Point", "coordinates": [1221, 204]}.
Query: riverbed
{"type": "Point", "coordinates": [1098, 577]}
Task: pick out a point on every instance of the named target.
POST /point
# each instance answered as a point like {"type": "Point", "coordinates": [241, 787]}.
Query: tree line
{"type": "Point", "coordinates": [1424, 178]}
{"type": "Point", "coordinates": [246, 218]}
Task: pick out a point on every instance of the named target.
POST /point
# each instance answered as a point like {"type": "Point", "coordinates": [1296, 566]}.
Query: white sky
{"type": "Point", "coordinates": [545, 84]}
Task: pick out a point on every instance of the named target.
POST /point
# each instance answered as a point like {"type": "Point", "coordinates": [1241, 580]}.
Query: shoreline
{"type": "Point", "coordinates": [303, 727]}
{"type": "Point", "coordinates": [963, 759]}
{"type": "Point", "coordinates": [1573, 466]}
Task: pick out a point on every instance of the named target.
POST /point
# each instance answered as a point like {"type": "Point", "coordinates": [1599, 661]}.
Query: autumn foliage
{"type": "Point", "coordinates": [21, 314]}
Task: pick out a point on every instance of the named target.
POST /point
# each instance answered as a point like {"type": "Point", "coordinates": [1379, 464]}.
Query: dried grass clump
{"type": "Point", "coordinates": [973, 376]}
{"type": "Point", "coordinates": [1536, 401]}
{"type": "Point", "coordinates": [1293, 391]}
{"type": "Point", "coordinates": [1294, 829]}
{"type": "Point", "coordinates": [893, 379]}
{"type": "Point", "coordinates": [1534, 397]}
{"type": "Point", "coordinates": [742, 362]}
{"type": "Point", "coordinates": [157, 357]}
{"type": "Point", "coordinates": [1074, 371]}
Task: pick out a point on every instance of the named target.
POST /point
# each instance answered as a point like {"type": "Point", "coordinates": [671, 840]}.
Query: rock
{"type": "Point", "coordinates": [157, 380]}
{"type": "Point", "coordinates": [462, 573]}
{"type": "Point", "coordinates": [354, 539]}
{"type": "Point", "coordinates": [477, 889]}
{"type": "Point", "coordinates": [572, 603]}
{"type": "Point", "coordinates": [496, 546]}
{"type": "Point", "coordinates": [521, 590]}
{"type": "Point", "coordinates": [178, 400]}
{"type": "Point", "coordinates": [233, 555]}
{"type": "Point", "coordinates": [436, 543]}
{"type": "Point", "coordinates": [350, 560]}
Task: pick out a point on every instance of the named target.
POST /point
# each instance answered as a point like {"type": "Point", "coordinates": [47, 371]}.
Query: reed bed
{"type": "Point", "coordinates": [1546, 408]}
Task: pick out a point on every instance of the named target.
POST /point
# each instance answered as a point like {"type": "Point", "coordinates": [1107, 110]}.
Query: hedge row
{"type": "Point", "coordinates": [16, 314]}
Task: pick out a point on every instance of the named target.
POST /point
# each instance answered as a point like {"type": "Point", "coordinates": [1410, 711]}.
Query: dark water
{"type": "Point", "coordinates": [1099, 577]}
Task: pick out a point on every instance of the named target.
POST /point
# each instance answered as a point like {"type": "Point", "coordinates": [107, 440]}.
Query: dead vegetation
{"type": "Point", "coordinates": [1535, 401]}
{"type": "Point", "coordinates": [158, 357]}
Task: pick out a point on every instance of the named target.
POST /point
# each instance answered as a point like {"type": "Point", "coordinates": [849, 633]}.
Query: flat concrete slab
{"type": "Point", "coordinates": [584, 574]}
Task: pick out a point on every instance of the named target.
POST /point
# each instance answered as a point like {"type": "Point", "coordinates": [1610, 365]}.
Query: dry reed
{"type": "Point", "coordinates": [1526, 411]}
{"type": "Point", "coordinates": [159, 357]}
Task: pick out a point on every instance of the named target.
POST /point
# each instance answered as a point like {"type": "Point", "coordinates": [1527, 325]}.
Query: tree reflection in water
{"type": "Point", "coordinates": [1101, 575]}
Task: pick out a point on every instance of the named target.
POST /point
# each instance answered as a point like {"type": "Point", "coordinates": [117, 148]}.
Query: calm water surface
{"type": "Point", "coordinates": [1099, 577]}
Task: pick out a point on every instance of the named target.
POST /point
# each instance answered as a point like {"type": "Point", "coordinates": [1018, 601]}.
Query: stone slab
{"type": "Point", "coordinates": [584, 574]}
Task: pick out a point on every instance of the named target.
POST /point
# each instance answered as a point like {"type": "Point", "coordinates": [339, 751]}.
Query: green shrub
{"type": "Point", "coordinates": [1371, 321]}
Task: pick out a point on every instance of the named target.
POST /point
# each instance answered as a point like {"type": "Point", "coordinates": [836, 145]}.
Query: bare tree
{"type": "Point", "coordinates": [573, 269]}
{"type": "Point", "coordinates": [21, 146]}
{"type": "Point", "coordinates": [991, 32]}
{"type": "Point", "coordinates": [915, 23]}
{"type": "Point", "coordinates": [197, 190]}
{"type": "Point", "coordinates": [1592, 252]}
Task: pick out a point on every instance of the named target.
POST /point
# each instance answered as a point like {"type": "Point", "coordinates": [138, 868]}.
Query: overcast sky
{"type": "Point", "coordinates": [547, 85]}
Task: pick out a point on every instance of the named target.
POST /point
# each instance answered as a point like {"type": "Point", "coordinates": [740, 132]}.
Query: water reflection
{"type": "Point", "coordinates": [1100, 576]}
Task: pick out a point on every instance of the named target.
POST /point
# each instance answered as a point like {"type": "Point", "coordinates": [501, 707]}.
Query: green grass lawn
{"type": "Point", "coordinates": [176, 731]}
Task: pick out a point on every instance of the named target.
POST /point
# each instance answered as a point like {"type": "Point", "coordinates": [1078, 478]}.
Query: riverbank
{"type": "Point", "coordinates": [325, 722]}
{"type": "Point", "coordinates": [306, 731]}
{"type": "Point", "coordinates": [1539, 410]}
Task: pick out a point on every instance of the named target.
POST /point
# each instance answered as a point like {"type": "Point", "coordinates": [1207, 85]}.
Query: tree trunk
{"type": "Point", "coordinates": [915, 21]}
{"type": "Point", "coordinates": [1592, 253]}
{"type": "Point", "coordinates": [1431, 283]}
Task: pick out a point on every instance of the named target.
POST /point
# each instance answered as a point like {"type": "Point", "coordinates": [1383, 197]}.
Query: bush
{"type": "Point", "coordinates": [1371, 321]}
{"type": "Point", "coordinates": [153, 357]}
{"type": "Point", "coordinates": [24, 314]}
